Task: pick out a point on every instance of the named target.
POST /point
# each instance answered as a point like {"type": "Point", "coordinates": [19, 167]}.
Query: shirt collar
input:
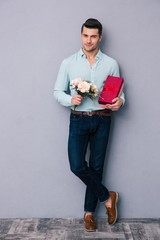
{"type": "Point", "coordinates": [98, 56]}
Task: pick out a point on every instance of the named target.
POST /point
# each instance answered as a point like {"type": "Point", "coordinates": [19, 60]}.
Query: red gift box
{"type": "Point", "coordinates": [112, 89]}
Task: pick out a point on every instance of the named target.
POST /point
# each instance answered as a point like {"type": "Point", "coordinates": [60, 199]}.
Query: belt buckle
{"type": "Point", "coordinates": [89, 114]}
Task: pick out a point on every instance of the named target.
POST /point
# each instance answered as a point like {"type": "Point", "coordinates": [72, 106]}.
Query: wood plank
{"type": "Point", "coordinates": [5, 225]}
{"type": "Point", "coordinates": [138, 231]}
{"type": "Point", "coordinates": [127, 231]}
{"type": "Point", "coordinates": [152, 230]}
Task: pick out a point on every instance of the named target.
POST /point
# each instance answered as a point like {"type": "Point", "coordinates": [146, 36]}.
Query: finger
{"type": "Point", "coordinates": [115, 108]}
{"type": "Point", "coordinates": [77, 102]}
{"type": "Point", "coordinates": [109, 106]}
{"type": "Point", "coordinates": [102, 105]}
{"type": "Point", "coordinates": [115, 104]}
{"type": "Point", "coordinates": [78, 97]}
{"type": "Point", "coordinates": [112, 106]}
{"type": "Point", "coordinates": [115, 99]}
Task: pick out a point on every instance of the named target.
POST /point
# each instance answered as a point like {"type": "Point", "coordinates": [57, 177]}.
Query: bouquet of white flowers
{"type": "Point", "coordinates": [84, 88]}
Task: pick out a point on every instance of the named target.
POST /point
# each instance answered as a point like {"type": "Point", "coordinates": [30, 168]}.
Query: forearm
{"type": "Point", "coordinates": [63, 98]}
{"type": "Point", "coordinates": [122, 96]}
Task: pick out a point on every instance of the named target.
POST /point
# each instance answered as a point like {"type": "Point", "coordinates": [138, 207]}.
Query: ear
{"type": "Point", "coordinates": [100, 38]}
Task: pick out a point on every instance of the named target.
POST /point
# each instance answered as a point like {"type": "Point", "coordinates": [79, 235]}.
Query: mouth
{"type": "Point", "coordinates": [88, 45]}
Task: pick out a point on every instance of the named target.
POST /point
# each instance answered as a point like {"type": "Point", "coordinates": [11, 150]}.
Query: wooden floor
{"type": "Point", "coordinates": [73, 229]}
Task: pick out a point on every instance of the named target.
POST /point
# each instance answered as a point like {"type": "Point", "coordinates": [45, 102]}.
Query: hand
{"type": "Point", "coordinates": [115, 106]}
{"type": "Point", "coordinates": [76, 100]}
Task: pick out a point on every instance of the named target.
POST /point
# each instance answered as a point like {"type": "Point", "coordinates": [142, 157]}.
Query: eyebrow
{"type": "Point", "coordinates": [91, 35]}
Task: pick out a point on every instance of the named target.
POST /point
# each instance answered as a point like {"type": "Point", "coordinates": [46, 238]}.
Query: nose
{"type": "Point", "coordinates": [89, 39]}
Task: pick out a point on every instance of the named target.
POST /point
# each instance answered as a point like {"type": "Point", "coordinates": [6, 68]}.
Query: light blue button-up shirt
{"type": "Point", "coordinates": [78, 66]}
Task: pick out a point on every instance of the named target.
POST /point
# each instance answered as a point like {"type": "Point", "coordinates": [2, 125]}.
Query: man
{"type": "Point", "coordinates": [90, 123]}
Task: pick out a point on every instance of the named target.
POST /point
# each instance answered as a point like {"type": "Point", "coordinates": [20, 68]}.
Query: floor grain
{"type": "Point", "coordinates": [73, 229]}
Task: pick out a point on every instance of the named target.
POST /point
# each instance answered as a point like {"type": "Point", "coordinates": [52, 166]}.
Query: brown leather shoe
{"type": "Point", "coordinates": [90, 224]}
{"type": "Point", "coordinates": [112, 212]}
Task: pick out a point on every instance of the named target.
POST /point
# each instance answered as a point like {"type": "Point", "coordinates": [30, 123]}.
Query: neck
{"type": "Point", "coordinates": [90, 55]}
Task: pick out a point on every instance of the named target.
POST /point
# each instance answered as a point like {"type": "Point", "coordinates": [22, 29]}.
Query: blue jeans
{"type": "Point", "coordinates": [94, 130]}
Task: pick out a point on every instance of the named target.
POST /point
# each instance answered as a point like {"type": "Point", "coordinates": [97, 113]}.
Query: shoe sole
{"type": "Point", "coordinates": [117, 195]}
{"type": "Point", "coordinates": [90, 230]}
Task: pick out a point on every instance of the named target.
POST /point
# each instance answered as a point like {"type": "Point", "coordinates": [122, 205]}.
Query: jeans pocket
{"type": "Point", "coordinates": [75, 117]}
{"type": "Point", "coordinates": [105, 118]}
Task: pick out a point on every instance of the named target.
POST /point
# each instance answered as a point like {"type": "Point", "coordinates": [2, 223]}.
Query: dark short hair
{"type": "Point", "coordinates": [92, 23]}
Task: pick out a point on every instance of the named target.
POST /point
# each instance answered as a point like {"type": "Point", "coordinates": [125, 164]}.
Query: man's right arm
{"type": "Point", "coordinates": [62, 85]}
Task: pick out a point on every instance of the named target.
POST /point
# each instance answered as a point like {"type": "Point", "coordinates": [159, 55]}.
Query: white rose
{"type": "Point", "coordinates": [83, 87]}
{"type": "Point", "coordinates": [75, 82]}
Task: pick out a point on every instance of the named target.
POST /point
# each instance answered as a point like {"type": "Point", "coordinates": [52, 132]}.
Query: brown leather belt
{"type": "Point", "coordinates": [99, 112]}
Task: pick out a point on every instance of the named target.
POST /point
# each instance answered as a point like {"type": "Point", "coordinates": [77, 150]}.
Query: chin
{"type": "Point", "coordinates": [89, 49]}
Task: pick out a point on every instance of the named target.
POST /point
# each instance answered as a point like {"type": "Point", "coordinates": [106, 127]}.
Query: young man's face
{"type": "Point", "coordinates": [90, 39]}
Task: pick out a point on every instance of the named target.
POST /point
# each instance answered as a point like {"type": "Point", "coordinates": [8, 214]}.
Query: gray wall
{"type": "Point", "coordinates": [35, 36]}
